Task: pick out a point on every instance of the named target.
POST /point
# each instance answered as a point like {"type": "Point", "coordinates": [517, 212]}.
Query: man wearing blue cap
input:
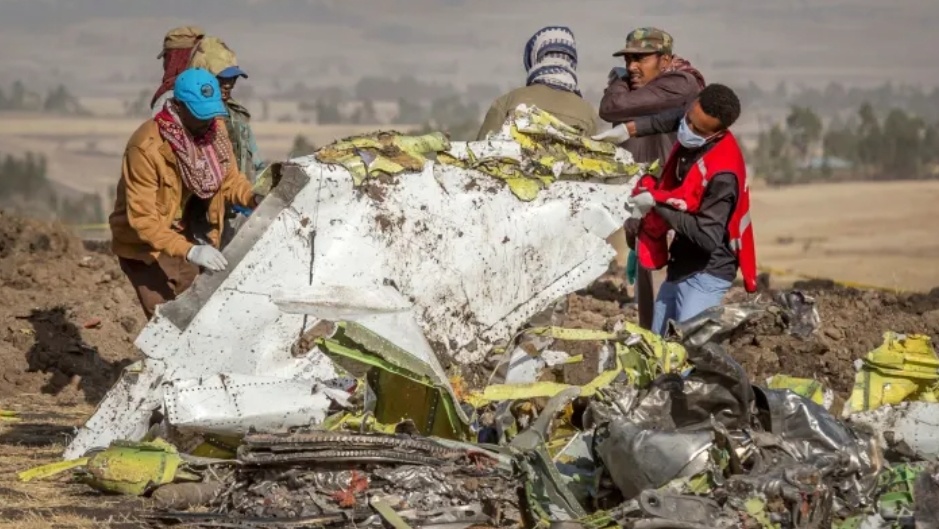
{"type": "Point", "coordinates": [178, 173]}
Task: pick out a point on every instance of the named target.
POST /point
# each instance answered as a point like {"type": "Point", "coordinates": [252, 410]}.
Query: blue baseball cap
{"type": "Point", "coordinates": [232, 71]}
{"type": "Point", "coordinates": [199, 91]}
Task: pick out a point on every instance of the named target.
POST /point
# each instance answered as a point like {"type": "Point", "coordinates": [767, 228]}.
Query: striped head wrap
{"type": "Point", "coordinates": [551, 59]}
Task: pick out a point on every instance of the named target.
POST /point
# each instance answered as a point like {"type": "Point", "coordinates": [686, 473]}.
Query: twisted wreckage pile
{"type": "Point", "coordinates": [302, 388]}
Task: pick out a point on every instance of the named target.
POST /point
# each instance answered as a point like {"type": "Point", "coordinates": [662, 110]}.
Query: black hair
{"type": "Point", "coordinates": [720, 102]}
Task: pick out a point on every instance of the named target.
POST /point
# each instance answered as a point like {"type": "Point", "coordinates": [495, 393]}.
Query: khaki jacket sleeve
{"type": "Point", "coordinates": [239, 190]}
{"type": "Point", "coordinates": [493, 120]}
{"type": "Point", "coordinates": [143, 215]}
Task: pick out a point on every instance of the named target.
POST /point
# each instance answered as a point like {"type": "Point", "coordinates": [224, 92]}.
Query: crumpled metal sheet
{"type": "Point", "coordinates": [851, 459]}
{"type": "Point", "coordinates": [714, 322]}
{"type": "Point", "coordinates": [797, 492]}
{"type": "Point", "coordinates": [679, 507]}
{"type": "Point", "coordinates": [639, 459]}
{"type": "Point", "coordinates": [909, 429]}
{"type": "Point", "coordinates": [444, 240]}
{"type": "Point", "coordinates": [801, 313]}
{"type": "Point", "coordinates": [717, 387]}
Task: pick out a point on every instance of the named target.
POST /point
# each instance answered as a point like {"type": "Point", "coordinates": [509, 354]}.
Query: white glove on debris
{"type": "Point", "coordinates": [640, 204]}
{"type": "Point", "coordinates": [617, 135]}
{"type": "Point", "coordinates": [207, 257]}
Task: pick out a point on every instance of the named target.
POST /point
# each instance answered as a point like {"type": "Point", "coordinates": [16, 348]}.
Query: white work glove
{"type": "Point", "coordinates": [640, 204]}
{"type": "Point", "coordinates": [617, 134]}
{"type": "Point", "coordinates": [207, 257]}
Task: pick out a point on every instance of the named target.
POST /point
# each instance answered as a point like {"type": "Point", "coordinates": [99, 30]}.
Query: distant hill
{"type": "Point", "coordinates": [318, 42]}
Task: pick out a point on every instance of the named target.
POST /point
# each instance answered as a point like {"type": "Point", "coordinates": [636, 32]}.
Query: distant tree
{"type": "Point", "coordinates": [841, 142]}
{"type": "Point", "coordinates": [772, 160]}
{"type": "Point", "coordinates": [60, 101]}
{"type": "Point", "coordinates": [372, 87]}
{"type": "Point", "coordinates": [903, 154]}
{"type": "Point", "coordinates": [931, 142]}
{"type": "Point", "coordinates": [365, 114]}
{"type": "Point", "coordinates": [140, 106]}
{"type": "Point", "coordinates": [805, 130]}
{"type": "Point", "coordinates": [327, 112]}
{"type": "Point", "coordinates": [409, 113]}
{"type": "Point", "coordinates": [301, 146]}
{"type": "Point", "coordinates": [870, 137]}
{"type": "Point", "coordinates": [18, 95]}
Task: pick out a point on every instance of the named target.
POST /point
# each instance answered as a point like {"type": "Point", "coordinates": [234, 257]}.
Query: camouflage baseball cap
{"type": "Point", "coordinates": [212, 54]}
{"type": "Point", "coordinates": [647, 40]}
{"type": "Point", "coordinates": [181, 38]}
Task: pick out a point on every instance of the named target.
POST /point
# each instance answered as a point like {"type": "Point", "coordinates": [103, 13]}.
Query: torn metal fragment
{"type": "Point", "coordinates": [639, 459]}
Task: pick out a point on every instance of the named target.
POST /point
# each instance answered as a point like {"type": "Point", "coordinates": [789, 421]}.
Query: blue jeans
{"type": "Point", "coordinates": [685, 299]}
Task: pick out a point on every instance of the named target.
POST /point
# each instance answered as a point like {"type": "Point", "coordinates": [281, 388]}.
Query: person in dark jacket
{"type": "Point", "coordinates": [653, 80]}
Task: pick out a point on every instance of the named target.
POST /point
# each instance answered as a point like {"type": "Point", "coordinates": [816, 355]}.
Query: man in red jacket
{"type": "Point", "coordinates": [704, 197]}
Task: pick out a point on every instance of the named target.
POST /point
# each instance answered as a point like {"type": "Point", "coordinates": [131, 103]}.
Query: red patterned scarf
{"type": "Point", "coordinates": [680, 64]}
{"type": "Point", "coordinates": [175, 61]}
{"type": "Point", "coordinates": [203, 162]}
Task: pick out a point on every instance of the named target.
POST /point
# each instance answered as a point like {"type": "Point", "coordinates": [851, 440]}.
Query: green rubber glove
{"type": "Point", "coordinates": [632, 267]}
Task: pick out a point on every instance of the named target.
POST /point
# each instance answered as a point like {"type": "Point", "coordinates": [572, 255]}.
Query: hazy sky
{"type": "Point", "coordinates": [94, 43]}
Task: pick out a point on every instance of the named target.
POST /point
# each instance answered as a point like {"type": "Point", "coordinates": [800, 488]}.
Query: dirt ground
{"type": "Point", "coordinates": [853, 323]}
{"type": "Point", "coordinates": [68, 318]}
{"type": "Point", "coordinates": [67, 321]}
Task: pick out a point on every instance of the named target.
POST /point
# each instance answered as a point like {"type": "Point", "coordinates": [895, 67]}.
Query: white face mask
{"type": "Point", "coordinates": [687, 138]}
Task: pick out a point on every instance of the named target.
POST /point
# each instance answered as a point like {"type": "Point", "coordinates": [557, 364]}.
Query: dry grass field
{"type": "Point", "coordinates": [37, 436]}
{"type": "Point", "coordinates": [84, 153]}
{"type": "Point", "coordinates": [879, 234]}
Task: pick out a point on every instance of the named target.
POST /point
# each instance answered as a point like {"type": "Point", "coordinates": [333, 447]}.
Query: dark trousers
{"type": "Point", "coordinates": [159, 281]}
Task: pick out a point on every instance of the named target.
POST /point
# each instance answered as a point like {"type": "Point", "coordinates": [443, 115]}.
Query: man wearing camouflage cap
{"type": "Point", "coordinates": [215, 56]}
{"type": "Point", "coordinates": [177, 50]}
{"type": "Point", "coordinates": [653, 80]}
{"type": "Point", "coordinates": [212, 54]}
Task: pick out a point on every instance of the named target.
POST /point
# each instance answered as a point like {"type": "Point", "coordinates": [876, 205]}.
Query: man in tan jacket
{"type": "Point", "coordinates": [178, 172]}
{"type": "Point", "coordinates": [550, 59]}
